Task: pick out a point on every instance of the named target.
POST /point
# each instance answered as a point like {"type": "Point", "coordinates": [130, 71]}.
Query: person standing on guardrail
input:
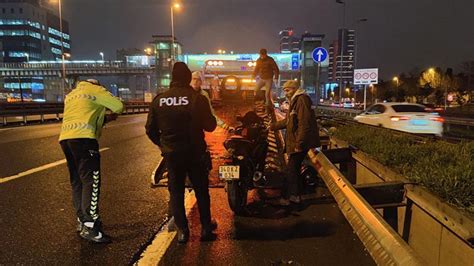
{"type": "Point", "coordinates": [84, 115]}
{"type": "Point", "coordinates": [176, 123]}
{"type": "Point", "coordinates": [267, 70]}
{"type": "Point", "coordinates": [301, 135]}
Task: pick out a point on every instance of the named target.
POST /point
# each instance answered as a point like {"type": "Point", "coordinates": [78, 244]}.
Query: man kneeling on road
{"type": "Point", "coordinates": [176, 123]}
{"type": "Point", "coordinates": [84, 116]}
{"type": "Point", "coordinates": [301, 135]}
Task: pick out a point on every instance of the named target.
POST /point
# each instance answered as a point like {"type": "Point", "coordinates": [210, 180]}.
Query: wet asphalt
{"type": "Point", "coordinates": [37, 220]}
{"type": "Point", "coordinates": [37, 224]}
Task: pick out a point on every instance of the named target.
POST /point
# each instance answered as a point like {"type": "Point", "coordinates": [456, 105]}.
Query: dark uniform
{"type": "Point", "coordinates": [176, 123]}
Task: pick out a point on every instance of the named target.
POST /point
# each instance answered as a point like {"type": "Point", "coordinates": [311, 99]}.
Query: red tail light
{"type": "Point", "coordinates": [399, 118]}
{"type": "Point", "coordinates": [438, 119]}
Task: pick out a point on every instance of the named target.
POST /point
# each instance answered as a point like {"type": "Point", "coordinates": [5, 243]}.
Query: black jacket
{"type": "Point", "coordinates": [178, 118]}
{"type": "Point", "coordinates": [300, 123]}
{"type": "Point", "coordinates": [266, 68]}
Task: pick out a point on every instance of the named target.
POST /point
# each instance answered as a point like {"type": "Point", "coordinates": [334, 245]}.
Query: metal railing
{"type": "Point", "coordinates": [383, 243]}
{"type": "Point", "coordinates": [23, 113]}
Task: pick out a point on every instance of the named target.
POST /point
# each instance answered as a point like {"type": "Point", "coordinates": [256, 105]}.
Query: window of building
{"type": "Point", "coordinates": [56, 51]}
{"type": "Point", "coordinates": [21, 10]}
{"type": "Point", "coordinates": [4, 10]}
{"type": "Point", "coordinates": [12, 10]}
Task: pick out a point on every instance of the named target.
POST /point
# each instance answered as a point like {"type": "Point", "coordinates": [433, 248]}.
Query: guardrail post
{"type": "Point", "coordinates": [42, 118]}
{"type": "Point", "coordinates": [390, 214]}
{"type": "Point", "coordinates": [407, 220]}
{"type": "Point", "coordinates": [4, 121]}
{"type": "Point", "coordinates": [25, 119]}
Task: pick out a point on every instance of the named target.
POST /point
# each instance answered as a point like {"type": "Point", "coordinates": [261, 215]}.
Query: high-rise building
{"type": "Point", "coordinates": [30, 31]}
{"type": "Point", "coordinates": [288, 42]}
{"type": "Point", "coordinates": [342, 58]}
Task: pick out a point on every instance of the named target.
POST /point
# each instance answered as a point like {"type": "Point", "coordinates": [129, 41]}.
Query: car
{"type": "Point", "coordinates": [348, 104]}
{"type": "Point", "coordinates": [407, 117]}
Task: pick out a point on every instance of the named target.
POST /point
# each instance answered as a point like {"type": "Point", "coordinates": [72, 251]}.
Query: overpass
{"type": "Point", "coordinates": [73, 69]}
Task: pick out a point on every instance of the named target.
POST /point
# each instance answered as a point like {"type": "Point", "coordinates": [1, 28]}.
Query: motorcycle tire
{"type": "Point", "coordinates": [237, 196]}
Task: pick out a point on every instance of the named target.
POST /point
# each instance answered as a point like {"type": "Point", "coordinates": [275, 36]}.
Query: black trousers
{"type": "Point", "coordinates": [179, 166]}
{"type": "Point", "coordinates": [83, 161]}
{"type": "Point", "coordinates": [293, 182]}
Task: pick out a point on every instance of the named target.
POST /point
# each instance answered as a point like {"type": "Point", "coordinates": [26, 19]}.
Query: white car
{"type": "Point", "coordinates": [407, 117]}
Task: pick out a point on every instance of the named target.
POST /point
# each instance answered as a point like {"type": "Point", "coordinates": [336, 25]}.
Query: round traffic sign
{"type": "Point", "coordinates": [319, 54]}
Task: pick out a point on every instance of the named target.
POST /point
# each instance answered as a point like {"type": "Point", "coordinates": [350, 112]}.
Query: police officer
{"type": "Point", "coordinates": [176, 123]}
{"type": "Point", "coordinates": [84, 115]}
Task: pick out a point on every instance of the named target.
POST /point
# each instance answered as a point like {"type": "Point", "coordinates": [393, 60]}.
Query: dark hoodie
{"type": "Point", "coordinates": [178, 117]}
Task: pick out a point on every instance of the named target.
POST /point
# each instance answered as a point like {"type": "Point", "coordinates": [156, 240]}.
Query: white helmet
{"type": "Point", "coordinates": [93, 81]}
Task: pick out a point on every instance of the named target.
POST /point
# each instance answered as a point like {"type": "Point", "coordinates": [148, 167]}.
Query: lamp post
{"type": "Point", "coordinates": [102, 56]}
{"type": "Point", "coordinates": [361, 20]}
{"type": "Point", "coordinates": [172, 7]}
{"type": "Point", "coordinates": [63, 78]}
{"type": "Point", "coordinates": [397, 81]}
{"type": "Point", "coordinates": [342, 45]}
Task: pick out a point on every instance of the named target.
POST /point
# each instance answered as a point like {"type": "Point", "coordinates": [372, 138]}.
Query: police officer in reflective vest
{"type": "Point", "coordinates": [84, 116]}
{"type": "Point", "coordinates": [176, 123]}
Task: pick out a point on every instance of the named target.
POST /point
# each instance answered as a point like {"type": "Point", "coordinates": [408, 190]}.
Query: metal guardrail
{"type": "Point", "coordinates": [384, 244]}
{"type": "Point", "coordinates": [40, 112]}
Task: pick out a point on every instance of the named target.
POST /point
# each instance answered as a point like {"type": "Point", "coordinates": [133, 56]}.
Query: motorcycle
{"type": "Point", "coordinates": [247, 149]}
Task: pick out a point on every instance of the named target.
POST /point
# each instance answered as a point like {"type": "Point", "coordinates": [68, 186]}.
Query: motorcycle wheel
{"type": "Point", "coordinates": [237, 196]}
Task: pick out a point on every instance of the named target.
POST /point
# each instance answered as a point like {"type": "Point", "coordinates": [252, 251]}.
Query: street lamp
{"type": "Point", "coordinates": [63, 81]}
{"type": "Point", "coordinates": [342, 44]}
{"type": "Point", "coordinates": [360, 20]}
{"type": "Point", "coordinates": [396, 80]}
{"type": "Point", "coordinates": [102, 55]}
{"type": "Point", "coordinates": [176, 6]}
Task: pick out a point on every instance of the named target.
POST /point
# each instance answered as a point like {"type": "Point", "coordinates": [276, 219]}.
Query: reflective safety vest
{"type": "Point", "coordinates": [84, 111]}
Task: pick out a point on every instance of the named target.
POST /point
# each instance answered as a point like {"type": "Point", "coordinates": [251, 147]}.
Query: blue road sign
{"type": "Point", "coordinates": [319, 54]}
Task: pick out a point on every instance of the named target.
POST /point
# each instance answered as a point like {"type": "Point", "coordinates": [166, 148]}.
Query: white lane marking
{"type": "Point", "coordinates": [38, 169]}
{"type": "Point", "coordinates": [155, 252]}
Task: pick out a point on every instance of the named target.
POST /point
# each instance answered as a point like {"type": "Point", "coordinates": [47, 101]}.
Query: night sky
{"type": "Point", "coordinates": [398, 36]}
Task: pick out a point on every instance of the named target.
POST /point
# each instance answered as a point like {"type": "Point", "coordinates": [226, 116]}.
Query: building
{"type": "Point", "coordinates": [135, 87]}
{"type": "Point", "coordinates": [342, 67]}
{"type": "Point", "coordinates": [309, 69]}
{"type": "Point", "coordinates": [165, 57]}
{"type": "Point", "coordinates": [30, 31]}
{"type": "Point", "coordinates": [289, 43]}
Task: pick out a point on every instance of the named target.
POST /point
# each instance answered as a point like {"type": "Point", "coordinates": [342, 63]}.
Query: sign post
{"type": "Point", "coordinates": [366, 77]}
{"type": "Point", "coordinates": [319, 54]}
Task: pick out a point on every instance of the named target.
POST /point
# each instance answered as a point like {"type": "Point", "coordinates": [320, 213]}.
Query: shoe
{"type": "Point", "coordinates": [95, 234]}
{"type": "Point", "coordinates": [295, 199]}
{"type": "Point", "coordinates": [208, 235]}
{"type": "Point", "coordinates": [213, 225]}
{"type": "Point", "coordinates": [284, 202]}
{"type": "Point", "coordinates": [79, 225]}
{"type": "Point", "coordinates": [183, 236]}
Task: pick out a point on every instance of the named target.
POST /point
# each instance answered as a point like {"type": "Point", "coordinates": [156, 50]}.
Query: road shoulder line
{"type": "Point", "coordinates": [156, 251]}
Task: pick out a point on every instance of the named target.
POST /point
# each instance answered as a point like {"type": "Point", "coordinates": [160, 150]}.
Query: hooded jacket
{"type": "Point", "coordinates": [178, 117]}
{"type": "Point", "coordinates": [84, 111]}
{"type": "Point", "coordinates": [300, 123]}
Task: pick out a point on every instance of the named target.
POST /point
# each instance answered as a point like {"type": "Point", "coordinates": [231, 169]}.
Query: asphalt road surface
{"type": "Point", "coordinates": [37, 222]}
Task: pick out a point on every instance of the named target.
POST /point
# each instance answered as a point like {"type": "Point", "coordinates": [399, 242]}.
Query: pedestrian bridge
{"type": "Point", "coordinates": [72, 69]}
